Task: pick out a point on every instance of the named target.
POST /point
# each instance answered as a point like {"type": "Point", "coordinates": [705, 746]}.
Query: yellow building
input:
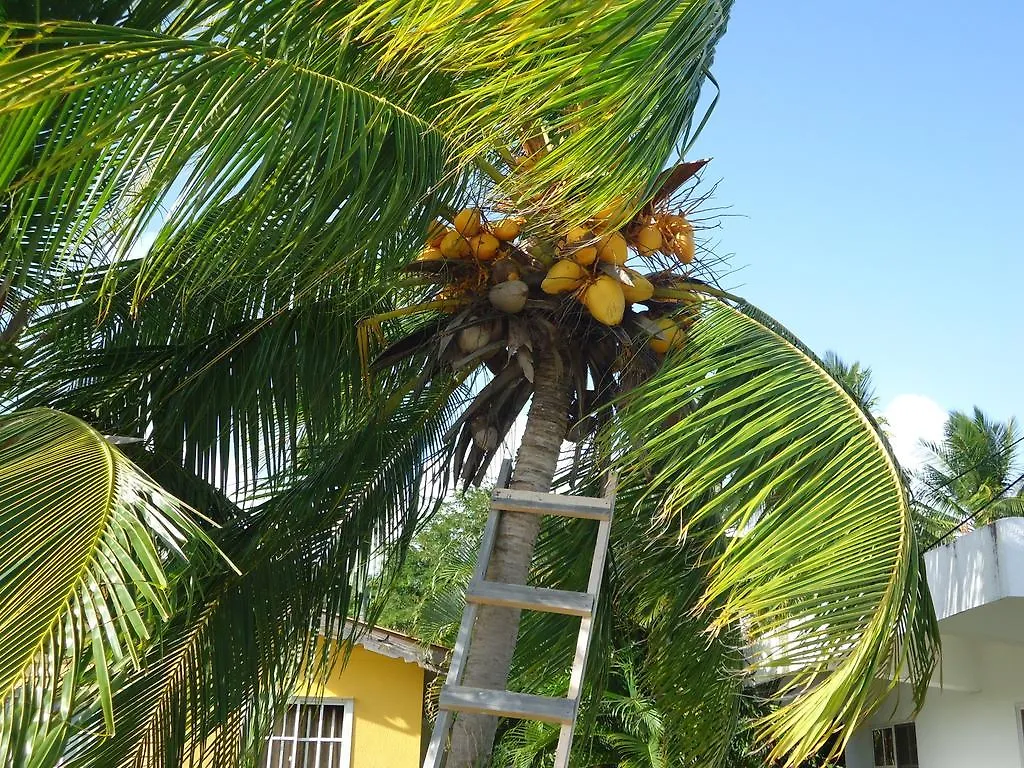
{"type": "Point", "coordinates": [371, 711]}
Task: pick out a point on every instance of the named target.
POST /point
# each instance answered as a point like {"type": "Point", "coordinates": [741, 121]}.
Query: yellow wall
{"type": "Point", "coordinates": [387, 710]}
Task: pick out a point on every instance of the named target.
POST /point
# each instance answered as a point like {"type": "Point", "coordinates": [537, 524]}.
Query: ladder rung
{"type": "Point", "coordinates": [531, 598]}
{"type": "Point", "coordinates": [523, 706]}
{"type": "Point", "coordinates": [563, 505]}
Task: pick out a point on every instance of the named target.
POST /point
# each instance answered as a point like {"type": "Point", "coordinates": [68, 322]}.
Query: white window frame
{"type": "Point", "coordinates": [346, 723]}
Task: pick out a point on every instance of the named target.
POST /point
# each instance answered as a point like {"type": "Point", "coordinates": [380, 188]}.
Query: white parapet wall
{"type": "Point", "coordinates": [978, 568]}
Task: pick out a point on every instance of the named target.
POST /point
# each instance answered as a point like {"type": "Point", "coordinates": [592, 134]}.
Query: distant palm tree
{"type": "Point", "coordinates": [973, 474]}
{"type": "Point", "coordinates": [855, 377]}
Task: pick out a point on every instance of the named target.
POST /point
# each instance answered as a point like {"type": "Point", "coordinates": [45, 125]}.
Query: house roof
{"type": "Point", "coordinates": [397, 645]}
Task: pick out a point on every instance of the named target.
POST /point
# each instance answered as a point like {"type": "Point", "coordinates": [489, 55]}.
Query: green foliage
{"type": "Point", "coordinates": [627, 727]}
{"type": "Point", "coordinates": [626, 79]}
{"type": "Point", "coordinates": [229, 663]}
{"type": "Point", "coordinates": [99, 11]}
{"type": "Point", "coordinates": [276, 146]}
{"type": "Point", "coordinates": [202, 199]}
{"type": "Point", "coordinates": [773, 450]}
{"type": "Point", "coordinates": [856, 378]}
{"type": "Point", "coordinates": [82, 590]}
{"type": "Point", "coordinates": [973, 476]}
{"type": "Point", "coordinates": [425, 577]}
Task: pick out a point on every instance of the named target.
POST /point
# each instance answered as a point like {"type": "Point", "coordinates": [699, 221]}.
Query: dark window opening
{"type": "Point", "coordinates": [895, 747]}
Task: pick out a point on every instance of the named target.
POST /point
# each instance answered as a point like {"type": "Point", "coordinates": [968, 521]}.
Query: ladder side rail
{"type": "Point", "coordinates": [579, 663]}
{"type": "Point", "coordinates": [435, 751]}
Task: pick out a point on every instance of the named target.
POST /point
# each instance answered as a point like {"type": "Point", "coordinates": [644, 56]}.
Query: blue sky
{"type": "Point", "coordinates": [872, 158]}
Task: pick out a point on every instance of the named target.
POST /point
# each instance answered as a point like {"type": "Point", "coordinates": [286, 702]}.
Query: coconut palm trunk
{"type": "Point", "coordinates": [496, 629]}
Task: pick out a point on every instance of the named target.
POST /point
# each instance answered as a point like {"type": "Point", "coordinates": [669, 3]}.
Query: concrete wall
{"type": "Point", "coordinates": [970, 718]}
{"type": "Point", "coordinates": [387, 698]}
{"type": "Point", "coordinates": [979, 568]}
{"type": "Point", "coordinates": [973, 726]}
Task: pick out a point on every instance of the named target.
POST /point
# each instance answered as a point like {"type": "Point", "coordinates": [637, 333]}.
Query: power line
{"type": "Point", "coordinates": [977, 512]}
{"type": "Point", "coordinates": [986, 457]}
{"type": "Point", "coordinates": [948, 482]}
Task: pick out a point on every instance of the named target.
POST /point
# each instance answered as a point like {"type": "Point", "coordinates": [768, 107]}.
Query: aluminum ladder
{"type": "Point", "coordinates": [455, 697]}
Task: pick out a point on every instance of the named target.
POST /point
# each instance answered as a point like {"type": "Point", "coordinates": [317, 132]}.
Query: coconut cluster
{"type": "Point", "coordinates": [593, 260]}
{"type": "Point", "coordinates": [594, 264]}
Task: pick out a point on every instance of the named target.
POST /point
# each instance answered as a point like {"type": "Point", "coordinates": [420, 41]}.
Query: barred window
{"type": "Point", "coordinates": [312, 734]}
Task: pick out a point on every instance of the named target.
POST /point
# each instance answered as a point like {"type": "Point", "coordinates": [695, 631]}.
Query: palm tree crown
{"type": "Point", "coordinates": [973, 474]}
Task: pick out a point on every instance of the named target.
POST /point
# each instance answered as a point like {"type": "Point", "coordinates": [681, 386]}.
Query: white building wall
{"type": "Point", "coordinates": [961, 728]}
{"type": "Point", "coordinates": [970, 717]}
{"type": "Point", "coordinates": [977, 569]}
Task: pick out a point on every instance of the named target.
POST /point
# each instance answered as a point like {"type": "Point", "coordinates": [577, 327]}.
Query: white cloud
{"type": "Point", "coordinates": [912, 418]}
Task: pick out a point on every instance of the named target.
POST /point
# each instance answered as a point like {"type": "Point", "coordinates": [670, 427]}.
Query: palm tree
{"type": "Point", "coordinates": [213, 206]}
{"type": "Point", "coordinates": [855, 377]}
{"type": "Point", "coordinates": [973, 476]}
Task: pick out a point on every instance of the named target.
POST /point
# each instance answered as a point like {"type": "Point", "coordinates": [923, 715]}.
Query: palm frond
{"type": "Point", "coordinates": [228, 390]}
{"type": "Point", "coordinates": [223, 670]}
{"type": "Point", "coordinates": [86, 540]}
{"type": "Point", "coordinates": [604, 95]}
{"type": "Point", "coordinates": [264, 149]}
{"type": "Point", "coordinates": [790, 498]}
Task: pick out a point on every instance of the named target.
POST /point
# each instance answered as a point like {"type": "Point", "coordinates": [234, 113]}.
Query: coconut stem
{"type": "Point", "coordinates": [680, 290]}
{"type": "Point", "coordinates": [505, 155]}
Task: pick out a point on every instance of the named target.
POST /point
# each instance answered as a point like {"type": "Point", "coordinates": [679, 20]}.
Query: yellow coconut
{"type": "Point", "coordinates": [585, 256]}
{"type": "Point", "coordinates": [467, 221]}
{"type": "Point", "coordinates": [430, 254]}
{"type": "Point", "coordinates": [670, 336]}
{"type": "Point", "coordinates": [647, 239]}
{"type": "Point", "coordinates": [507, 229]}
{"type": "Point", "coordinates": [435, 234]}
{"type": "Point", "coordinates": [683, 246]}
{"type": "Point", "coordinates": [678, 237]}
{"type": "Point", "coordinates": [563, 277]}
{"type": "Point", "coordinates": [484, 246]}
{"type": "Point", "coordinates": [578, 235]}
{"type": "Point", "coordinates": [604, 299]}
{"type": "Point", "coordinates": [641, 288]}
{"type": "Point", "coordinates": [611, 248]}
{"type": "Point", "coordinates": [455, 246]}
{"type": "Point", "coordinates": [676, 223]}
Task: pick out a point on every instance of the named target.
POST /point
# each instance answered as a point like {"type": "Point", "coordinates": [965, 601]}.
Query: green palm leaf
{"type": "Point", "coordinates": [784, 488]}
{"type": "Point", "coordinates": [271, 152]}
{"type": "Point", "coordinates": [85, 539]}
{"type": "Point", "coordinates": [612, 92]}
{"type": "Point", "coordinates": [220, 672]}
{"type": "Point", "coordinates": [276, 375]}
